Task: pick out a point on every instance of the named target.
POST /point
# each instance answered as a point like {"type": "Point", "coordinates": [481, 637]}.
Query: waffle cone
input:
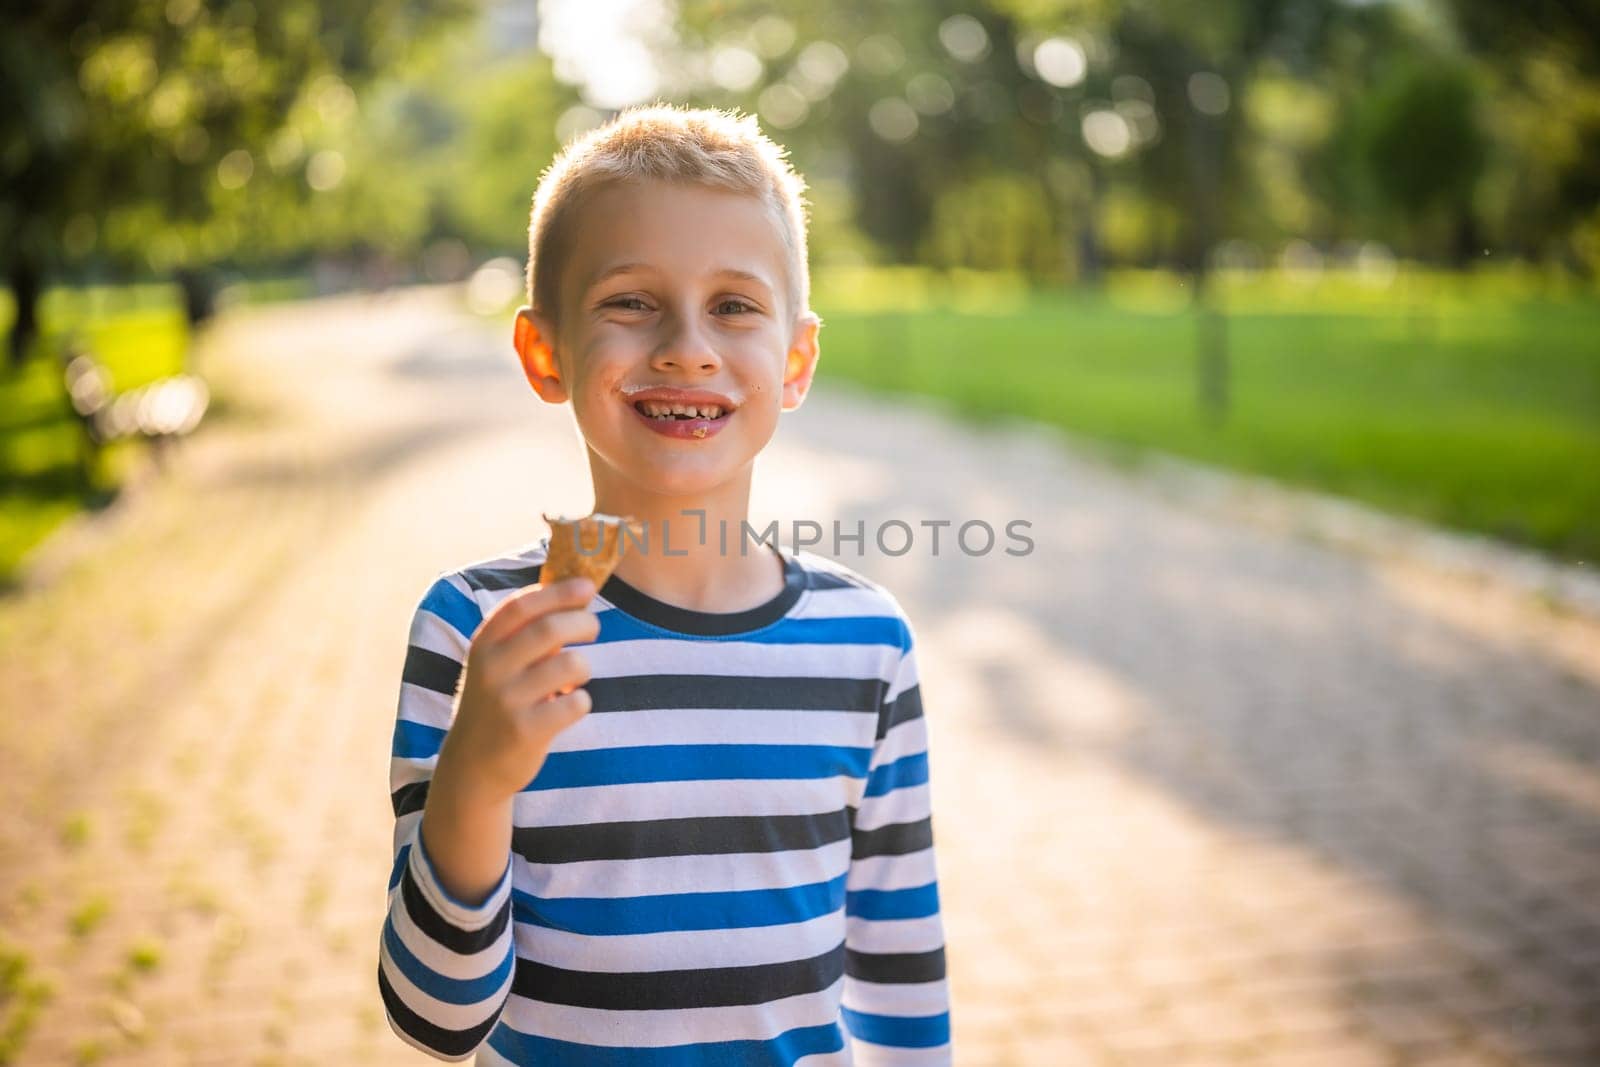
{"type": "Point", "coordinates": [589, 547]}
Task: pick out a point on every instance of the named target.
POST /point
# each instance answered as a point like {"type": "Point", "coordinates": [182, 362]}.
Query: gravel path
{"type": "Point", "coordinates": [1204, 793]}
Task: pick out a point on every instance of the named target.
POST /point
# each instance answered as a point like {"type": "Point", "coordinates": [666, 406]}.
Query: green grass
{"type": "Point", "coordinates": [1471, 402]}
{"type": "Point", "coordinates": [138, 334]}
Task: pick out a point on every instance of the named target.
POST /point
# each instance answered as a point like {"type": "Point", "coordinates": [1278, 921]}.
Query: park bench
{"type": "Point", "coordinates": [159, 413]}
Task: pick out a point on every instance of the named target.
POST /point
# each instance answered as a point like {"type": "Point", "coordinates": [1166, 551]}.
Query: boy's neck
{"type": "Point", "coordinates": [685, 563]}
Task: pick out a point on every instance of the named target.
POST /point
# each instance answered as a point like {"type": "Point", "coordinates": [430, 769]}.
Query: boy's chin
{"type": "Point", "coordinates": [682, 483]}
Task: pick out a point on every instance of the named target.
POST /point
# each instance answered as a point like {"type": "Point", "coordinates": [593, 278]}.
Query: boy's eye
{"type": "Point", "coordinates": [633, 303]}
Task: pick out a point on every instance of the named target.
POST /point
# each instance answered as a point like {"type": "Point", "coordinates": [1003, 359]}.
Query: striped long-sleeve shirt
{"type": "Point", "coordinates": [728, 860]}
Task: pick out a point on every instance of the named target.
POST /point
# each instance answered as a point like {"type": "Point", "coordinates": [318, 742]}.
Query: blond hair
{"type": "Point", "coordinates": [693, 146]}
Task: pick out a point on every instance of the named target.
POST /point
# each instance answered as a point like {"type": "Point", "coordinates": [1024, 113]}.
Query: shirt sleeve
{"type": "Point", "coordinates": [445, 966]}
{"type": "Point", "coordinates": [896, 1001]}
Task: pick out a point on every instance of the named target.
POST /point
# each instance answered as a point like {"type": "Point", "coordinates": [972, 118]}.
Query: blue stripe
{"type": "Point", "coordinates": [454, 607]}
{"type": "Point", "coordinates": [786, 1048]}
{"type": "Point", "coordinates": [917, 902]}
{"type": "Point", "coordinates": [728, 910]}
{"type": "Point", "coordinates": [617, 625]}
{"type": "Point", "coordinates": [899, 1031]}
{"type": "Point", "coordinates": [441, 987]}
{"type": "Point", "coordinates": [415, 740]}
{"type": "Point", "coordinates": [696, 763]}
{"type": "Point", "coordinates": [399, 865]}
{"type": "Point", "coordinates": [905, 771]}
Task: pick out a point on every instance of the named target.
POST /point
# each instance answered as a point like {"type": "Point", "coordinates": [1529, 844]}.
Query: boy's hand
{"type": "Point", "coordinates": [519, 689]}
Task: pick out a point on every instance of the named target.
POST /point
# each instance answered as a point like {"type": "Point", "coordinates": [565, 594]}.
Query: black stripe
{"type": "Point", "coordinates": [709, 836]}
{"type": "Point", "coordinates": [642, 691]}
{"type": "Point", "coordinates": [430, 670]}
{"type": "Point", "coordinates": [895, 839]}
{"type": "Point", "coordinates": [496, 578]}
{"type": "Point", "coordinates": [409, 798]}
{"type": "Point", "coordinates": [456, 1044]}
{"type": "Point", "coordinates": [642, 605]}
{"type": "Point", "coordinates": [437, 928]}
{"type": "Point", "coordinates": [826, 580]}
{"type": "Point", "coordinates": [713, 987]}
{"type": "Point", "coordinates": [903, 708]}
{"type": "Point", "coordinates": [895, 968]}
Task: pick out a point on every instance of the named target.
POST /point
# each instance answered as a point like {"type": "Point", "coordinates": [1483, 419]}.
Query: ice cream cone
{"type": "Point", "coordinates": [590, 547]}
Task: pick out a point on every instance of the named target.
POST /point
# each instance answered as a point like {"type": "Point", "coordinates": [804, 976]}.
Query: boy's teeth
{"type": "Point", "coordinates": [656, 409]}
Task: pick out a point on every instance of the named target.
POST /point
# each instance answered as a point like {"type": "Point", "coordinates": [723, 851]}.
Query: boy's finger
{"type": "Point", "coordinates": [545, 635]}
{"type": "Point", "coordinates": [552, 676]}
{"type": "Point", "coordinates": [535, 601]}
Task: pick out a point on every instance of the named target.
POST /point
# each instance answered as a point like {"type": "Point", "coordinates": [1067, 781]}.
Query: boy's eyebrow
{"type": "Point", "coordinates": [720, 272]}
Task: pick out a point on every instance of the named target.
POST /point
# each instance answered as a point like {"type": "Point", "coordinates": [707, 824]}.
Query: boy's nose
{"type": "Point", "coordinates": [685, 348]}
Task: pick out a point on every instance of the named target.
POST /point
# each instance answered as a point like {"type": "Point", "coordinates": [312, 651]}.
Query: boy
{"type": "Point", "coordinates": [683, 818]}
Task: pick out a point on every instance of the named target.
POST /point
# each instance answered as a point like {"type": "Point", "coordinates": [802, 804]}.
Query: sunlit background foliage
{"type": "Point", "coordinates": [1351, 243]}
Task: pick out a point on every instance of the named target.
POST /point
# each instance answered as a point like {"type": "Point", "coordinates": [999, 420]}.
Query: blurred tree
{"type": "Point", "coordinates": [1544, 111]}
{"type": "Point", "coordinates": [121, 121]}
{"type": "Point", "coordinates": [507, 115]}
{"type": "Point", "coordinates": [992, 223]}
{"type": "Point", "coordinates": [1423, 149]}
{"type": "Point", "coordinates": [913, 107]}
{"type": "Point", "coordinates": [1165, 102]}
{"type": "Point", "coordinates": [1501, 31]}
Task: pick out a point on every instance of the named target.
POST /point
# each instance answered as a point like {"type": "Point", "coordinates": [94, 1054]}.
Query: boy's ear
{"type": "Point", "coordinates": [532, 336]}
{"type": "Point", "coordinates": [801, 362]}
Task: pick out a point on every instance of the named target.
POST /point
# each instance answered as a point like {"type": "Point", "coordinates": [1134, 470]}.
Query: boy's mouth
{"type": "Point", "coordinates": [685, 414]}
{"type": "Point", "coordinates": [659, 410]}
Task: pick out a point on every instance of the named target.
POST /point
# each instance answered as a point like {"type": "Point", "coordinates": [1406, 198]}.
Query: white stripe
{"type": "Point", "coordinates": [488, 1057]}
{"type": "Point", "coordinates": [671, 950]}
{"type": "Point", "coordinates": [676, 1026]}
{"type": "Point", "coordinates": [717, 726]}
{"type": "Point", "coordinates": [634, 801]}
{"type": "Point", "coordinates": [513, 560]}
{"type": "Point", "coordinates": [870, 1055]}
{"type": "Point", "coordinates": [426, 706]}
{"type": "Point", "coordinates": [904, 678]}
{"type": "Point", "coordinates": [738, 659]}
{"type": "Point", "coordinates": [843, 603]}
{"type": "Point", "coordinates": [893, 872]}
{"type": "Point", "coordinates": [906, 999]}
{"type": "Point", "coordinates": [647, 876]}
{"type": "Point", "coordinates": [889, 936]}
{"type": "Point", "coordinates": [827, 1059]}
{"type": "Point", "coordinates": [403, 771]}
{"type": "Point", "coordinates": [908, 738]}
{"type": "Point", "coordinates": [909, 803]}
{"type": "Point", "coordinates": [431, 632]}
{"type": "Point", "coordinates": [405, 830]}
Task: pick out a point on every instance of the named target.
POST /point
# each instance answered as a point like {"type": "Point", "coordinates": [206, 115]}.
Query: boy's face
{"type": "Point", "coordinates": [698, 303]}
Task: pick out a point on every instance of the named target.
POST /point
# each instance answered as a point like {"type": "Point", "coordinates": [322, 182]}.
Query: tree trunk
{"type": "Point", "coordinates": [1205, 149]}
{"type": "Point", "coordinates": [25, 284]}
{"type": "Point", "coordinates": [199, 295]}
{"type": "Point", "coordinates": [1466, 242]}
{"type": "Point", "coordinates": [1089, 265]}
{"type": "Point", "coordinates": [1211, 342]}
